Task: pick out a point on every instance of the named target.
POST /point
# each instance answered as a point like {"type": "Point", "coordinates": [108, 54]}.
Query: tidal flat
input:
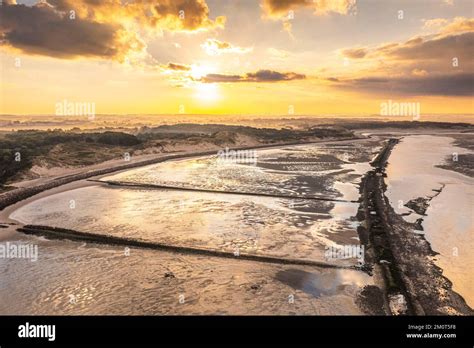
{"type": "Point", "coordinates": [316, 209]}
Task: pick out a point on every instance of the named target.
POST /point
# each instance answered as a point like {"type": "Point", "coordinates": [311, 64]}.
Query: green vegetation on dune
{"type": "Point", "coordinates": [18, 150]}
{"type": "Point", "coordinates": [265, 135]}
{"type": "Point", "coordinates": [22, 149]}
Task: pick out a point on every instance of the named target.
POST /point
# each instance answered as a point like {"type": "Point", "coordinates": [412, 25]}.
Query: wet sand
{"type": "Point", "coordinates": [154, 282]}
{"type": "Point", "coordinates": [75, 278]}
{"type": "Point", "coordinates": [226, 286]}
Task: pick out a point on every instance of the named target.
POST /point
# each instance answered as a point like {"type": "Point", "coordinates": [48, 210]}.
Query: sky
{"type": "Point", "coordinates": [253, 57]}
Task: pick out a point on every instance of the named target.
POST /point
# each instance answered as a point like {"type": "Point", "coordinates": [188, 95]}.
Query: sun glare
{"type": "Point", "coordinates": [203, 91]}
{"type": "Point", "coordinates": [207, 91]}
{"type": "Point", "coordinates": [198, 71]}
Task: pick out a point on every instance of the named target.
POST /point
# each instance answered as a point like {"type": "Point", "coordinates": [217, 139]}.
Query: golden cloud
{"type": "Point", "coordinates": [434, 23]}
{"type": "Point", "coordinates": [439, 64]}
{"type": "Point", "coordinates": [284, 9]}
{"type": "Point", "coordinates": [92, 28]}
{"type": "Point", "coordinates": [214, 47]}
{"type": "Point", "coordinates": [173, 15]}
{"type": "Point", "coordinates": [459, 24]}
{"type": "Point", "coordinates": [354, 53]}
{"type": "Point", "coordinates": [177, 67]}
{"type": "Point", "coordinates": [281, 8]}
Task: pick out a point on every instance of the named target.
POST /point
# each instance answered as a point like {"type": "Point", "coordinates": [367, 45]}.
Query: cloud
{"type": "Point", "coordinates": [173, 15]}
{"type": "Point", "coordinates": [439, 63]}
{"type": "Point", "coordinates": [211, 78]}
{"type": "Point", "coordinates": [183, 15]}
{"type": "Point", "coordinates": [434, 23]}
{"type": "Point", "coordinates": [214, 47]}
{"type": "Point", "coordinates": [460, 45]}
{"type": "Point", "coordinates": [259, 76]}
{"type": "Point", "coordinates": [459, 24]}
{"type": "Point", "coordinates": [177, 67]}
{"type": "Point", "coordinates": [354, 53]}
{"type": "Point", "coordinates": [91, 28]}
{"type": "Point", "coordinates": [457, 84]}
{"type": "Point", "coordinates": [41, 30]}
{"type": "Point", "coordinates": [419, 72]}
{"type": "Point", "coordinates": [280, 8]}
{"type": "Point", "coordinates": [454, 38]}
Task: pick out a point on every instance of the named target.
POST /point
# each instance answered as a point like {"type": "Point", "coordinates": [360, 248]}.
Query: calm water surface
{"type": "Point", "coordinates": [448, 226]}
{"type": "Point", "coordinates": [71, 277]}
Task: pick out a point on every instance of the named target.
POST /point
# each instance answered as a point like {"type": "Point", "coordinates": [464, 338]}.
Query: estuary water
{"type": "Point", "coordinates": [448, 225]}
{"type": "Point", "coordinates": [79, 278]}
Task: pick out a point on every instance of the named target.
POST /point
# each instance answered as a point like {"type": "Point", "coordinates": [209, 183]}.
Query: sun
{"type": "Point", "coordinates": [206, 91]}
{"type": "Point", "coordinates": [198, 71]}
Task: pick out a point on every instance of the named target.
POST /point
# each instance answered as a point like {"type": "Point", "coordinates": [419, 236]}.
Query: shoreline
{"type": "Point", "coordinates": [413, 284]}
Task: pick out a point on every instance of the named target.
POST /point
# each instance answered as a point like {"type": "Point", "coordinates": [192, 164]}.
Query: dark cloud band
{"type": "Point", "coordinates": [259, 76]}
{"type": "Point", "coordinates": [459, 84]}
